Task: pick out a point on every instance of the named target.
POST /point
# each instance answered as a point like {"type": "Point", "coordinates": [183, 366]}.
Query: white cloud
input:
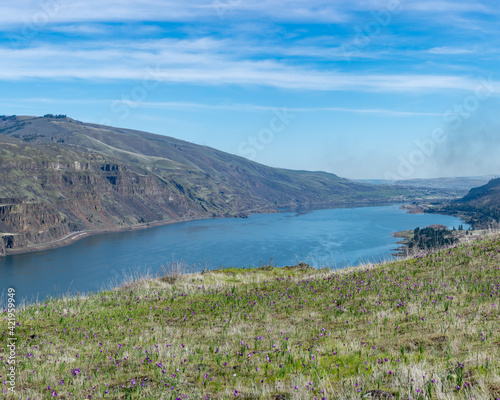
{"type": "Point", "coordinates": [204, 62]}
{"type": "Point", "coordinates": [330, 11]}
{"type": "Point", "coordinates": [446, 50]}
{"type": "Point", "coordinates": [241, 59]}
{"type": "Point", "coordinates": [258, 108]}
{"type": "Point", "coordinates": [228, 107]}
{"type": "Point", "coordinates": [65, 11]}
{"type": "Point", "coordinates": [81, 29]}
{"type": "Point", "coordinates": [452, 7]}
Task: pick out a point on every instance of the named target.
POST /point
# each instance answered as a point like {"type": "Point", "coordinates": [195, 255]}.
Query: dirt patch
{"type": "Point", "coordinates": [300, 267]}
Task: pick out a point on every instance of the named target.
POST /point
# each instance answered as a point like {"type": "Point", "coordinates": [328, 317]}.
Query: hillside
{"type": "Point", "coordinates": [60, 177]}
{"type": "Point", "coordinates": [456, 184]}
{"type": "Point", "coordinates": [452, 183]}
{"type": "Point", "coordinates": [485, 196]}
{"type": "Point", "coordinates": [480, 207]}
{"type": "Point", "coordinates": [421, 328]}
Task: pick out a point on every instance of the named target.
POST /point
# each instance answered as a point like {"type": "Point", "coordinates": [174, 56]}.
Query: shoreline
{"type": "Point", "coordinates": [402, 250]}
{"type": "Point", "coordinates": [460, 236]}
{"type": "Point", "coordinates": [76, 236]}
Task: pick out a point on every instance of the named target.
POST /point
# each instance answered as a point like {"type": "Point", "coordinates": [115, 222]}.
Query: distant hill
{"type": "Point", "coordinates": [450, 183]}
{"type": "Point", "coordinates": [59, 176]}
{"type": "Point", "coordinates": [485, 196]}
{"type": "Point", "coordinates": [480, 207]}
{"type": "Point", "coordinates": [455, 183]}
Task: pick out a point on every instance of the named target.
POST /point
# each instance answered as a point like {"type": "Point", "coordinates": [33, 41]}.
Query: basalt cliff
{"type": "Point", "coordinates": [60, 177]}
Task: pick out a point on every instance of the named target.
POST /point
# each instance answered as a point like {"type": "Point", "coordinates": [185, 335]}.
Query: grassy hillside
{"type": "Point", "coordinates": [422, 328]}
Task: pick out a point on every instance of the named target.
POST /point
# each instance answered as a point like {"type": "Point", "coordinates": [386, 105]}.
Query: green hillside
{"type": "Point", "coordinates": [422, 328]}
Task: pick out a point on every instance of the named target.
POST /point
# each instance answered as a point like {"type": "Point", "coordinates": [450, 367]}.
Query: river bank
{"type": "Point", "coordinates": [459, 236]}
{"type": "Point", "coordinates": [75, 236]}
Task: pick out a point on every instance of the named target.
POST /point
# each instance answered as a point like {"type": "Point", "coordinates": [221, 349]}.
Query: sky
{"type": "Point", "coordinates": [370, 89]}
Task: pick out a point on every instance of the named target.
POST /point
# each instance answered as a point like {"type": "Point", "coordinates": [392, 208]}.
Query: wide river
{"type": "Point", "coordinates": [332, 238]}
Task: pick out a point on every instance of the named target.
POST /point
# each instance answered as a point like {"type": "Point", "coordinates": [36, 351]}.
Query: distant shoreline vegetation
{"type": "Point", "coordinates": [430, 238]}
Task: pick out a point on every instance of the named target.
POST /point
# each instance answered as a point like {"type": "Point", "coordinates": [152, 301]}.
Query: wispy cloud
{"type": "Point", "coordinates": [168, 10]}
{"type": "Point", "coordinates": [227, 107]}
{"type": "Point", "coordinates": [258, 108]}
{"type": "Point", "coordinates": [205, 62]}
{"type": "Point", "coordinates": [453, 7]}
{"type": "Point", "coordinates": [446, 50]}
{"type": "Point", "coordinates": [336, 11]}
{"type": "Point", "coordinates": [81, 29]}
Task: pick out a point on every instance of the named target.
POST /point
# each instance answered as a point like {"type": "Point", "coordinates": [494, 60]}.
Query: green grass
{"type": "Point", "coordinates": [421, 328]}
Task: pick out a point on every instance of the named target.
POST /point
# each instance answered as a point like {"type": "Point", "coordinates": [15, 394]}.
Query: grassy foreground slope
{"type": "Point", "coordinates": [422, 328]}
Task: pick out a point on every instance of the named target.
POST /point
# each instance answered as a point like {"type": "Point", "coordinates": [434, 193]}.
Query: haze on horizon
{"type": "Point", "coordinates": [376, 89]}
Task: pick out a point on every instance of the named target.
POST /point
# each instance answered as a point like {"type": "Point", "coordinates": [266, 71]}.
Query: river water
{"type": "Point", "coordinates": [332, 238]}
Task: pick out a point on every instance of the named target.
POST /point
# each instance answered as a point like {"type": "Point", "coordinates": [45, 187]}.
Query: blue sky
{"type": "Point", "coordinates": [366, 89]}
